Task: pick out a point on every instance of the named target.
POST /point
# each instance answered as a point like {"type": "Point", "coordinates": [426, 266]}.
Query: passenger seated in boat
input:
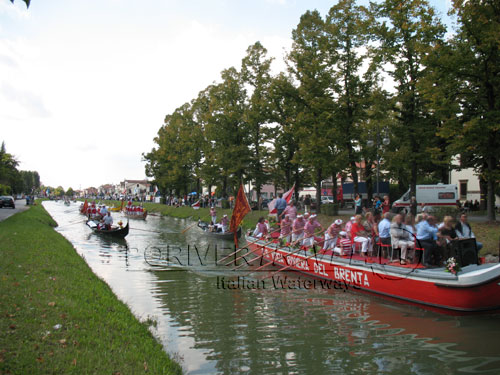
{"type": "Point", "coordinates": [348, 226]}
{"type": "Point", "coordinates": [309, 229]}
{"type": "Point", "coordinates": [344, 244]}
{"type": "Point", "coordinates": [332, 234]}
{"type": "Point", "coordinates": [360, 235]}
{"type": "Point", "coordinates": [286, 230]}
{"type": "Point", "coordinates": [400, 237]}
{"type": "Point", "coordinates": [298, 230]}
{"type": "Point", "coordinates": [426, 239]}
{"type": "Point", "coordinates": [224, 224]}
{"type": "Point", "coordinates": [108, 221]}
{"type": "Point", "coordinates": [261, 229]}
{"type": "Point", "coordinates": [447, 237]}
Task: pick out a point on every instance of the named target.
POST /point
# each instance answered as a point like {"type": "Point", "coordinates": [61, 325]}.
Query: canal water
{"type": "Point", "coordinates": [211, 325]}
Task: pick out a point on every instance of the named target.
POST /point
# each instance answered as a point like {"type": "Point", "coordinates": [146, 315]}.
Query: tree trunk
{"type": "Point", "coordinates": [491, 191]}
{"type": "Point", "coordinates": [334, 187]}
{"type": "Point", "coordinates": [319, 178]}
{"type": "Point", "coordinates": [483, 187]}
{"type": "Point", "coordinates": [369, 181]}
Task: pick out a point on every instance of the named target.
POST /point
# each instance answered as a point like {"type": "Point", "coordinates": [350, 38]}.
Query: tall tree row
{"type": "Point", "coordinates": [329, 112]}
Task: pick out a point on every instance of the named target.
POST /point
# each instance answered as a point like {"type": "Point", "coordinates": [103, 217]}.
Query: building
{"type": "Point", "coordinates": [135, 188]}
{"type": "Point", "coordinates": [467, 181]}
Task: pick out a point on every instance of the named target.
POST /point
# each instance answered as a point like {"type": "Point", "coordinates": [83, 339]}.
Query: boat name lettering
{"type": "Point", "coordinates": [350, 276]}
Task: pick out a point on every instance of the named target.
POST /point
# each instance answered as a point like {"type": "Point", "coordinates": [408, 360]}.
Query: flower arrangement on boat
{"type": "Point", "coordinates": [452, 266]}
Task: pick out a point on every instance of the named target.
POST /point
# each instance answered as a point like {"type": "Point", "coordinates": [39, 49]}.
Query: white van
{"type": "Point", "coordinates": [430, 196]}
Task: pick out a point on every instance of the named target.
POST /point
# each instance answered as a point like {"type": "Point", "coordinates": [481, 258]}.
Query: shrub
{"type": "Point", "coordinates": [330, 209]}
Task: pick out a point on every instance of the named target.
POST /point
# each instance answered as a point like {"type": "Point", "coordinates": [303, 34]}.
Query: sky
{"type": "Point", "coordinates": [85, 84]}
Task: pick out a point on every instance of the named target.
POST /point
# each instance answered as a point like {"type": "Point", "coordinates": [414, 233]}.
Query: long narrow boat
{"type": "Point", "coordinates": [474, 288]}
{"type": "Point", "coordinates": [116, 232]}
{"type": "Point", "coordinates": [204, 226]}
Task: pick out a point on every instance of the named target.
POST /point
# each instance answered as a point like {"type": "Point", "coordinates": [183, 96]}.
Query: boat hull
{"type": "Point", "coordinates": [138, 217]}
{"type": "Point", "coordinates": [475, 288]}
{"type": "Point", "coordinates": [115, 233]}
{"type": "Point", "coordinates": [223, 236]}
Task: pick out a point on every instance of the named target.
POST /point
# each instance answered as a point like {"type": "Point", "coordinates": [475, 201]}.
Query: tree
{"type": "Point", "coordinates": [407, 33]}
{"type": "Point", "coordinates": [308, 67]}
{"type": "Point", "coordinates": [285, 103]}
{"type": "Point", "coordinates": [226, 130]}
{"type": "Point", "coordinates": [70, 192]}
{"type": "Point", "coordinates": [470, 64]}
{"type": "Point", "coordinates": [255, 72]}
{"type": "Point", "coordinates": [347, 35]}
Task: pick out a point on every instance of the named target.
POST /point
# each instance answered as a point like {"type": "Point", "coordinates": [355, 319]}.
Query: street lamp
{"type": "Point", "coordinates": [385, 141]}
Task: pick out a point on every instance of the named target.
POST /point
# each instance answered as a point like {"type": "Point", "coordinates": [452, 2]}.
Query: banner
{"type": "Point", "coordinates": [286, 196]}
{"type": "Point", "coordinates": [241, 208]}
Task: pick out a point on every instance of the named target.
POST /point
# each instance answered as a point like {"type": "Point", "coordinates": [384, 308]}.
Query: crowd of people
{"type": "Point", "coordinates": [132, 210]}
{"type": "Point", "coordinates": [373, 233]}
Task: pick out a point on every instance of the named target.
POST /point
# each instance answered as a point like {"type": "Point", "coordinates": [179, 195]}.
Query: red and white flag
{"type": "Point", "coordinates": [286, 196]}
{"type": "Point", "coordinates": [196, 205]}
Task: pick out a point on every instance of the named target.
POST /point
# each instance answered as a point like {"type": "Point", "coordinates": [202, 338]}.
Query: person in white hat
{"type": "Point", "coordinates": [332, 234]}
{"type": "Point", "coordinates": [348, 226]}
{"type": "Point", "coordinates": [298, 230]}
{"type": "Point", "coordinates": [309, 229]}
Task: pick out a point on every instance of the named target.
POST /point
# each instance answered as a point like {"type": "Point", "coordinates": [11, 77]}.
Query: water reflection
{"type": "Point", "coordinates": [270, 330]}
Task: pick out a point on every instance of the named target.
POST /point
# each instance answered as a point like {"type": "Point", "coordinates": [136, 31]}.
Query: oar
{"type": "Point", "coordinates": [293, 252]}
{"type": "Point", "coordinates": [291, 265]}
{"type": "Point", "coordinates": [145, 230]}
{"type": "Point", "coordinates": [254, 250]}
{"type": "Point", "coordinates": [188, 228]}
{"type": "Point", "coordinates": [242, 248]}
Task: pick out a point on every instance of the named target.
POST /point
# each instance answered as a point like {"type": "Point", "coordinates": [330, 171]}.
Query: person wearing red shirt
{"type": "Point", "coordinates": [359, 234]}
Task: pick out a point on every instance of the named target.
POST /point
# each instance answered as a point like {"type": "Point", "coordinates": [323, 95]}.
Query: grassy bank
{"type": "Point", "coordinates": [488, 234]}
{"type": "Point", "coordinates": [57, 317]}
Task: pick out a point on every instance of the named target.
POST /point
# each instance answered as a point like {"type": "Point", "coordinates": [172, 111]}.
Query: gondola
{"type": "Point", "coordinates": [204, 226]}
{"type": "Point", "coordinates": [113, 232]}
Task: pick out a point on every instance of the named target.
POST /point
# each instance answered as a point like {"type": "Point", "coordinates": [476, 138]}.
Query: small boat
{"type": "Point", "coordinates": [476, 287]}
{"type": "Point", "coordinates": [204, 226]}
{"type": "Point", "coordinates": [115, 209]}
{"type": "Point", "coordinates": [117, 232]}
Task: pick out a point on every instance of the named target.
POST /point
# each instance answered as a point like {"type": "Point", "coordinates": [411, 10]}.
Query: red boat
{"type": "Point", "coordinates": [474, 288]}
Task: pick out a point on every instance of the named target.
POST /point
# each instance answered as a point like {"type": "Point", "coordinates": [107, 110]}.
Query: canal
{"type": "Point", "coordinates": [210, 325]}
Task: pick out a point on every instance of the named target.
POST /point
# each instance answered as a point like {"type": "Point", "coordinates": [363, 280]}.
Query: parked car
{"type": "Point", "coordinates": [325, 200]}
{"type": "Point", "coordinates": [7, 201]}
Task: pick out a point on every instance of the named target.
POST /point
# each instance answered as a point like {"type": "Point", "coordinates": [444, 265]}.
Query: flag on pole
{"type": "Point", "coordinates": [286, 196]}
{"type": "Point", "coordinates": [241, 208]}
{"type": "Point", "coordinates": [83, 210]}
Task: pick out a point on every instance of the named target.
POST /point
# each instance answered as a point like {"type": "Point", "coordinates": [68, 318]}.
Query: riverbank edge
{"type": "Point", "coordinates": [57, 316]}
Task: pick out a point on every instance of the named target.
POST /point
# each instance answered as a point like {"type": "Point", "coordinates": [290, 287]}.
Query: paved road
{"type": "Point", "coordinates": [6, 212]}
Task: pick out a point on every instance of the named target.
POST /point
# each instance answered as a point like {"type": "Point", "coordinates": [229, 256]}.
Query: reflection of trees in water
{"type": "Point", "coordinates": [276, 331]}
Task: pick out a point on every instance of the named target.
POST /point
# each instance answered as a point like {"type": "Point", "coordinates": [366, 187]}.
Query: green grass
{"type": "Point", "coordinates": [44, 283]}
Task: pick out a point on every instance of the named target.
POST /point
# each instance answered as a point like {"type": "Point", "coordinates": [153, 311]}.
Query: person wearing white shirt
{"type": "Point", "coordinates": [463, 230]}
{"type": "Point", "coordinates": [108, 221]}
